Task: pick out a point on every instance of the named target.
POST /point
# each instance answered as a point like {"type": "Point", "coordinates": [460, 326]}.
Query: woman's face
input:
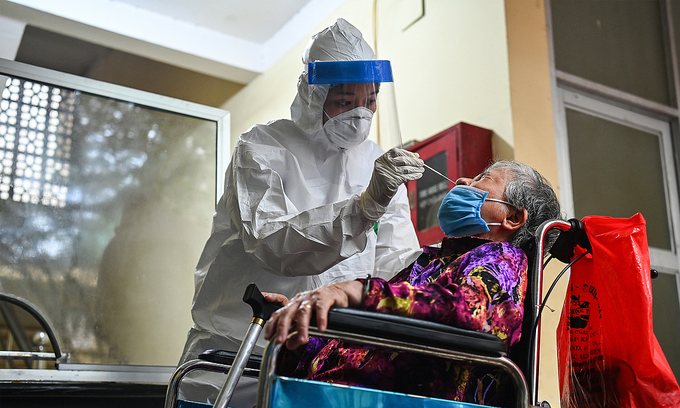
{"type": "Point", "coordinates": [494, 181]}
{"type": "Point", "coordinates": [345, 97]}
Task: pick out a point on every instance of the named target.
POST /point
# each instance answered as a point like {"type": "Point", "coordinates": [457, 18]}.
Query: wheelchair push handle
{"type": "Point", "coordinates": [261, 308]}
{"type": "Point", "coordinates": [570, 237]}
{"type": "Point", "coordinates": [262, 311]}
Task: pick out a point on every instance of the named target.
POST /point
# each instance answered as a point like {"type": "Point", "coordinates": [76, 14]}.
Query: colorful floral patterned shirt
{"type": "Point", "coordinates": [468, 283]}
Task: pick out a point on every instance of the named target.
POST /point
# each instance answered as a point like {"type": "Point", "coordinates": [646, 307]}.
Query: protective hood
{"type": "Point", "coordinates": [339, 42]}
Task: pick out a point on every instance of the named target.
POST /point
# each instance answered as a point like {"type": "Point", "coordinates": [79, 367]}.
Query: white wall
{"type": "Point", "coordinates": [449, 66]}
{"type": "Point", "coordinates": [10, 33]}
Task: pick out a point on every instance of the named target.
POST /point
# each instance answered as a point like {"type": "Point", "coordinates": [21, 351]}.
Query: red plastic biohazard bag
{"type": "Point", "coordinates": [607, 353]}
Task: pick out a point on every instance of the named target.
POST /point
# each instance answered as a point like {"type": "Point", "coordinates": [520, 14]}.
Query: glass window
{"type": "Point", "coordinates": [617, 159]}
{"type": "Point", "coordinates": [616, 171]}
{"type": "Point", "coordinates": [104, 208]}
{"type": "Point", "coordinates": [614, 43]}
{"type": "Point", "coordinates": [620, 163]}
{"type": "Point", "coordinates": [675, 21]}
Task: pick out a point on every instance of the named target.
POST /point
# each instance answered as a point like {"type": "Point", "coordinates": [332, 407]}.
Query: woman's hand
{"type": "Point", "coordinates": [298, 311]}
{"type": "Point", "coordinates": [275, 298]}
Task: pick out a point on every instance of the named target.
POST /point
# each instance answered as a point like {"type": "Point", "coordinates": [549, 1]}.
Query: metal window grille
{"type": "Point", "coordinates": [36, 123]}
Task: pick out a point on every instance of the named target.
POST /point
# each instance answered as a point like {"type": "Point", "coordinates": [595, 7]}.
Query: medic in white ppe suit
{"type": "Point", "coordinates": [307, 201]}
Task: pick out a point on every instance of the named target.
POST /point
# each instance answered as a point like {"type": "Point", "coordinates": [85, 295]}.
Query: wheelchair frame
{"type": "Point", "coordinates": [496, 358]}
{"type": "Point", "coordinates": [407, 334]}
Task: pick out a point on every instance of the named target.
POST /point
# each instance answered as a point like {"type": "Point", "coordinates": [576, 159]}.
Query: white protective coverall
{"type": "Point", "coordinates": [290, 218]}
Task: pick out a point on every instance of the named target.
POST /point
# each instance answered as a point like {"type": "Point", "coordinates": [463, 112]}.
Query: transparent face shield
{"type": "Point", "coordinates": [361, 94]}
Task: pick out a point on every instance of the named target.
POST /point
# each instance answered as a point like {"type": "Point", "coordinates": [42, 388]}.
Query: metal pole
{"type": "Point", "coordinates": [239, 364]}
{"type": "Point", "coordinates": [537, 298]}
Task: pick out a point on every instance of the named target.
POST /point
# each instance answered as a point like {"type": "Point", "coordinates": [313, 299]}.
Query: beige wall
{"type": "Point", "coordinates": [534, 132]}
{"type": "Point", "coordinates": [450, 66]}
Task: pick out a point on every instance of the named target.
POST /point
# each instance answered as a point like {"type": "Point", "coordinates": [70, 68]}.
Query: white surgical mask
{"type": "Point", "coordinates": [350, 128]}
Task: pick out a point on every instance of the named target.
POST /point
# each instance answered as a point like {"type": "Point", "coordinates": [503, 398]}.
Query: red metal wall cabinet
{"type": "Point", "coordinates": [462, 150]}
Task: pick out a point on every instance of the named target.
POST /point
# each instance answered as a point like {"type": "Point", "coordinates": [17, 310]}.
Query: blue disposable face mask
{"type": "Point", "coordinates": [460, 212]}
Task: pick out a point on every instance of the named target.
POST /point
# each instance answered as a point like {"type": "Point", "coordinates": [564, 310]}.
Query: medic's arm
{"type": "Point", "coordinates": [397, 245]}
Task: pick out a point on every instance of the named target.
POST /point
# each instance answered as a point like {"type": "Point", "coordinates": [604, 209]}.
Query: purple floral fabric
{"type": "Point", "coordinates": [469, 283]}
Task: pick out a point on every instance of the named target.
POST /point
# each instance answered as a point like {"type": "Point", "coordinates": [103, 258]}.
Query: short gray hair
{"type": "Point", "coordinates": [528, 189]}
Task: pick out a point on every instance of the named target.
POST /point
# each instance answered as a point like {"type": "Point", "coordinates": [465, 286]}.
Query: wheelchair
{"type": "Point", "coordinates": [520, 364]}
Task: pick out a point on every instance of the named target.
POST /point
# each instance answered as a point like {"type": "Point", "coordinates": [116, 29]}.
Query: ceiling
{"type": "Point", "coordinates": [255, 21]}
{"type": "Point", "coordinates": [220, 44]}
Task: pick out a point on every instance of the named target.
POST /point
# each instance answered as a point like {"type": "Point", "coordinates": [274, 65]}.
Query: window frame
{"type": "Point", "coordinates": [667, 260]}
{"type": "Point", "coordinates": [564, 83]}
{"type": "Point", "coordinates": [119, 372]}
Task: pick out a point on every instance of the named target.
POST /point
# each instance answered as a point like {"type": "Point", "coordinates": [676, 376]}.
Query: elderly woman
{"type": "Point", "coordinates": [476, 280]}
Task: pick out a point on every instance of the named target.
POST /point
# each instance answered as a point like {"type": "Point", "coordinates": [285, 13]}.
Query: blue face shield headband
{"type": "Point", "coordinates": [459, 215]}
{"type": "Point", "coordinates": [349, 72]}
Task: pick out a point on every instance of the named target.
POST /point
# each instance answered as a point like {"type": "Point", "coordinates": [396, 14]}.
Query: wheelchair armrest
{"type": "Point", "coordinates": [227, 358]}
{"type": "Point", "coordinates": [426, 333]}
